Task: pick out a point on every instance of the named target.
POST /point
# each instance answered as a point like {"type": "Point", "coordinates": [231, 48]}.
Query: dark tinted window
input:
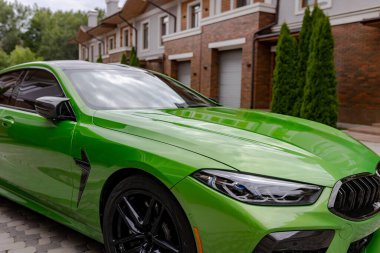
{"type": "Point", "coordinates": [129, 89]}
{"type": "Point", "coordinates": [37, 83]}
{"type": "Point", "coordinates": [7, 85]}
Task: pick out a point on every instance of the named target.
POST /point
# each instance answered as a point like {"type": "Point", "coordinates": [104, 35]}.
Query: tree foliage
{"type": "Point", "coordinates": [13, 21]}
{"type": "Point", "coordinates": [320, 101]}
{"type": "Point", "coordinates": [303, 56]}
{"type": "Point", "coordinates": [100, 59]}
{"type": "Point", "coordinates": [49, 33]}
{"type": "Point", "coordinates": [285, 77]}
{"type": "Point", "coordinates": [133, 59]}
{"type": "Point", "coordinates": [4, 59]}
{"type": "Point", "coordinates": [124, 60]}
{"type": "Point", "coordinates": [21, 55]}
{"type": "Point", "coordinates": [44, 32]}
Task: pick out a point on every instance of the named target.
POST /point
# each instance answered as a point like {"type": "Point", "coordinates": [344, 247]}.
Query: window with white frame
{"type": "Point", "coordinates": [99, 48]}
{"type": "Point", "coordinates": [83, 53]}
{"type": "Point", "coordinates": [195, 15]}
{"type": "Point", "coordinates": [241, 3]}
{"type": "Point", "coordinates": [92, 53]}
{"type": "Point", "coordinates": [306, 3]}
{"type": "Point", "coordinates": [302, 4]}
{"type": "Point", "coordinates": [126, 37]}
{"type": "Point", "coordinates": [111, 43]}
{"type": "Point", "coordinates": [164, 28]}
{"type": "Point", "coordinates": [145, 35]}
{"type": "Point", "coordinates": [220, 6]}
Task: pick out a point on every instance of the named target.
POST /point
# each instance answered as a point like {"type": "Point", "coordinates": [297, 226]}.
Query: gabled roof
{"type": "Point", "coordinates": [131, 9]}
{"type": "Point", "coordinates": [82, 34]}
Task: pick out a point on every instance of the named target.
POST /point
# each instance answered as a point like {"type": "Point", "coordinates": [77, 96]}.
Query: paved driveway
{"type": "Point", "coordinates": [24, 231]}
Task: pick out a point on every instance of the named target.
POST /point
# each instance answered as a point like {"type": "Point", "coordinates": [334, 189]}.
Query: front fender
{"type": "Point", "coordinates": [110, 151]}
{"type": "Point", "coordinates": [374, 246]}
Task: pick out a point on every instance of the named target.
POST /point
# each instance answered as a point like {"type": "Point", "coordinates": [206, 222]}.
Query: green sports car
{"type": "Point", "coordinates": [138, 161]}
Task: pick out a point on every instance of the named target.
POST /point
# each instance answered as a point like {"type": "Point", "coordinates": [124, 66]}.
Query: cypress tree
{"type": "Point", "coordinates": [303, 56]}
{"type": "Point", "coordinates": [133, 59]}
{"type": "Point", "coordinates": [285, 77]}
{"type": "Point", "coordinates": [124, 60]}
{"type": "Point", "coordinates": [100, 59]}
{"type": "Point", "coordinates": [320, 102]}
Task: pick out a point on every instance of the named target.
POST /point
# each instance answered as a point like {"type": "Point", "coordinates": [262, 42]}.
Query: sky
{"type": "Point", "coordinates": [83, 5]}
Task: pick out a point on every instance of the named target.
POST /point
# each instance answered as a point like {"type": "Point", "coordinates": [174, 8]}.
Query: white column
{"type": "Point", "coordinates": [118, 37]}
{"type": "Point", "coordinates": [179, 15]}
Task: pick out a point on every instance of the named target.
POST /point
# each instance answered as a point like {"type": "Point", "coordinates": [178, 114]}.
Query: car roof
{"type": "Point", "coordinates": [74, 65]}
{"type": "Point", "coordinates": [67, 65]}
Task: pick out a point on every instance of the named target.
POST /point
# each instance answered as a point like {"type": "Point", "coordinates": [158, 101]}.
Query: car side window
{"type": "Point", "coordinates": [8, 83]}
{"type": "Point", "coordinates": [37, 83]}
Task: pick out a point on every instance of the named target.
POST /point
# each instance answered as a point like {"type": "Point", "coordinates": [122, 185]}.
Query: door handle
{"type": "Point", "coordinates": [7, 122]}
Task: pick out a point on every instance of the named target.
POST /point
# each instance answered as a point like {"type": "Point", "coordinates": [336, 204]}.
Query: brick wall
{"type": "Point", "coordinates": [226, 5]}
{"type": "Point", "coordinates": [357, 58]}
{"type": "Point", "coordinates": [184, 14]}
{"type": "Point", "coordinates": [263, 76]}
{"type": "Point", "coordinates": [155, 65]}
{"type": "Point", "coordinates": [185, 45]}
{"type": "Point", "coordinates": [206, 8]}
{"type": "Point", "coordinates": [115, 58]}
{"type": "Point", "coordinates": [205, 65]}
{"type": "Point", "coordinates": [357, 62]}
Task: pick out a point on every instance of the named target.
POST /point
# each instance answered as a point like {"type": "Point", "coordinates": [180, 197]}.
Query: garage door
{"type": "Point", "coordinates": [230, 77]}
{"type": "Point", "coordinates": [184, 71]}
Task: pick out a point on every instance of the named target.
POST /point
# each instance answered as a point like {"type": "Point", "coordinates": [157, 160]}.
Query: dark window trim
{"type": "Point", "coordinates": [19, 79]}
{"type": "Point", "coordinates": [145, 37]}
{"type": "Point", "coordinates": [24, 73]}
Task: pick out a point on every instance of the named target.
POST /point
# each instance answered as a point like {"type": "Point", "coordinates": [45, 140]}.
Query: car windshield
{"type": "Point", "coordinates": [130, 89]}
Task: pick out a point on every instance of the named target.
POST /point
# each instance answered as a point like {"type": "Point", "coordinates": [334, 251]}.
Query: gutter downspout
{"type": "Point", "coordinates": [134, 28]}
{"type": "Point", "coordinates": [255, 35]}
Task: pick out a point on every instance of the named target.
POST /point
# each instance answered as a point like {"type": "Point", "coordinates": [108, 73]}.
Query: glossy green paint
{"type": "Point", "coordinates": [37, 167]}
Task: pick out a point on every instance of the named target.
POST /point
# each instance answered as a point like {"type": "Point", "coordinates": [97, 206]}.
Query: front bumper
{"type": "Point", "coordinates": [226, 225]}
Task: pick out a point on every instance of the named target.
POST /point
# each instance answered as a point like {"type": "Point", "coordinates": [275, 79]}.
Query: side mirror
{"type": "Point", "coordinates": [54, 108]}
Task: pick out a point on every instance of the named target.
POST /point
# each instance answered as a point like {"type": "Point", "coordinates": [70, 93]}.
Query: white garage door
{"type": "Point", "coordinates": [230, 78]}
{"type": "Point", "coordinates": [184, 72]}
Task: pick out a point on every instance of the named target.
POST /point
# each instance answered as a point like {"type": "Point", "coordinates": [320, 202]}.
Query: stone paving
{"type": "Point", "coordinates": [24, 231]}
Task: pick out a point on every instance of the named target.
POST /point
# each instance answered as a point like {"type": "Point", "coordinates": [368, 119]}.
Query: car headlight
{"type": "Point", "coordinates": [259, 190]}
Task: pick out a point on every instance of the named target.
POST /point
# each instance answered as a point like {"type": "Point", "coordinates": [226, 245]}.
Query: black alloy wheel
{"type": "Point", "coordinates": [142, 216]}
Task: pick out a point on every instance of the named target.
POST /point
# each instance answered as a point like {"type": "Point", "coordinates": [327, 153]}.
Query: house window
{"type": "Point", "coordinates": [111, 43]}
{"type": "Point", "coordinates": [145, 35]}
{"type": "Point", "coordinates": [195, 15]}
{"type": "Point", "coordinates": [100, 49]}
{"type": "Point", "coordinates": [92, 53]}
{"type": "Point", "coordinates": [241, 3]}
{"type": "Point", "coordinates": [126, 37]}
{"type": "Point", "coordinates": [306, 3]}
{"type": "Point", "coordinates": [164, 27]}
{"type": "Point", "coordinates": [83, 53]}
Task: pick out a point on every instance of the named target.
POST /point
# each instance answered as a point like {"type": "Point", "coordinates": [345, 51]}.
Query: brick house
{"type": "Point", "coordinates": [226, 48]}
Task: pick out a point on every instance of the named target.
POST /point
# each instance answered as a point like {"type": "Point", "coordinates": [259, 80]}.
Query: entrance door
{"type": "Point", "coordinates": [36, 152]}
{"type": "Point", "coordinates": [184, 72]}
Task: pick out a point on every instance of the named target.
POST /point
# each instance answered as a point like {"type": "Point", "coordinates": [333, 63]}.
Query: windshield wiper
{"type": "Point", "coordinates": [193, 105]}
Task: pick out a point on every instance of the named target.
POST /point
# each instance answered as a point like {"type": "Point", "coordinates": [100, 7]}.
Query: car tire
{"type": "Point", "coordinates": [141, 215]}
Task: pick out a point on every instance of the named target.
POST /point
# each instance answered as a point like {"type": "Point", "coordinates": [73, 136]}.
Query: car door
{"type": "Point", "coordinates": [8, 83]}
{"type": "Point", "coordinates": [37, 151]}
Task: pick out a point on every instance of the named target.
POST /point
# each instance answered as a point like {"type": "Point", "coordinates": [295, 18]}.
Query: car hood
{"type": "Point", "coordinates": [251, 141]}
